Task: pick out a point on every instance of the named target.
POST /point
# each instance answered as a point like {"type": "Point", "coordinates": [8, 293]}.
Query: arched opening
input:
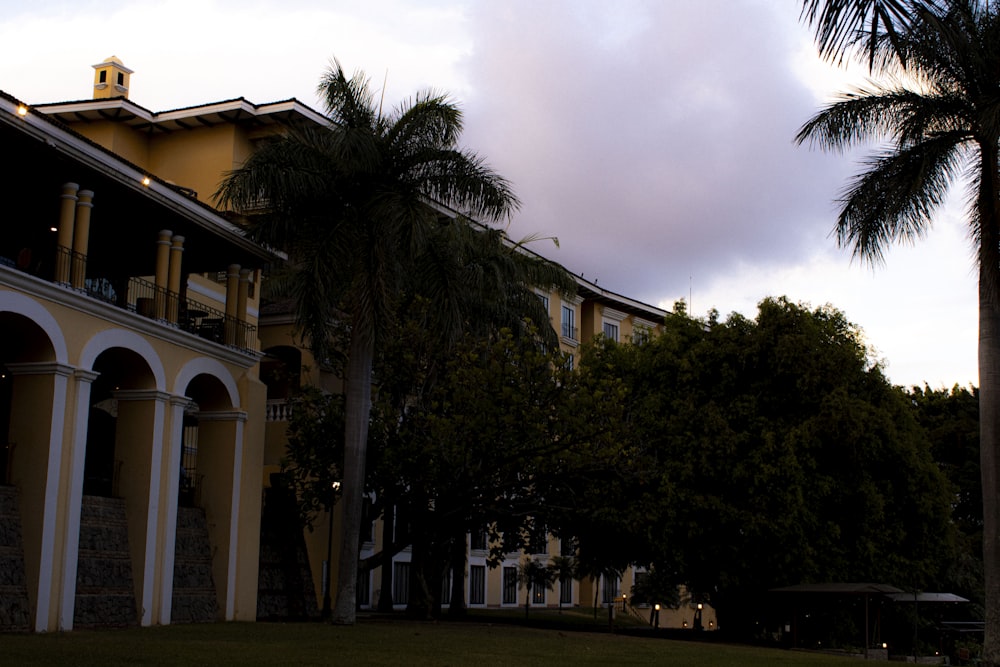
{"type": "Point", "coordinates": [120, 473]}
{"type": "Point", "coordinates": [29, 382]}
{"type": "Point", "coordinates": [204, 510]}
{"type": "Point", "coordinates": [119, 370]}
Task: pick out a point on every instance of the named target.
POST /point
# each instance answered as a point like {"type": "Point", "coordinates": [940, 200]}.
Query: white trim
{"type": "Point", "coordinates": [15, 302]}
{"type": "Point", "coordinates": [107, 339]}
{"type": "Point", "coordinates": [71, 534]}
{"type": "Point", "coordinates": [207, 366]}
{"type": "Point", "coordinates": [234, 522]}
{"type": "Point", "coordinates": [172, 455]}
{"type": "Point", "coordinates": [152, 499]}
{"type": "Point", "coordinates": [50, 508]}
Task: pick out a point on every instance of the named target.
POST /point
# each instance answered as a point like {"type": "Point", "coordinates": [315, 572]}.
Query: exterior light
{"type": "Point", "coordinates": [22, 110]}
{"type": "Point", "coordinates": [335, 486]}
{"type": "Point", "coordinates": [146, 181]}
{"type": "Point", "coordinates": [656, 606]}
{"type": "Point", "coordinates": [885, 645]}
{"type": "Point", "coordinates": [699, 605]}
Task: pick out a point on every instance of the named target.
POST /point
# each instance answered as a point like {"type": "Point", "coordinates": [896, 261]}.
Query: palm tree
{"type": "Point", "coordinates": [940, 106]}
{"type": "Point", "coordinates": [842, 24]}
{"type": "Point", "coordinates": [350, 203]}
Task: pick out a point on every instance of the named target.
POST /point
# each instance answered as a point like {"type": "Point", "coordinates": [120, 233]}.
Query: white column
{"type": "Point", "coordinates": [144, 493]}
{"type": "Point", "coordinates": [42, 595]}
{"type": "Point", "coordinates": [172, 459]}
{"type": "Point", "coordinates": [71, 536]}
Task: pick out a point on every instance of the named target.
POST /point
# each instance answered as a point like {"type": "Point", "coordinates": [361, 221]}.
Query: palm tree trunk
{"type": "Point", "coordinates": [989, 391]}
{"type": "Point", "coordinates": [358, 409]}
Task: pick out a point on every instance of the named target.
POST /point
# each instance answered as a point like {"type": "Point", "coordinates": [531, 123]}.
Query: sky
{"type": "Point", "coordinates": [654, 139]}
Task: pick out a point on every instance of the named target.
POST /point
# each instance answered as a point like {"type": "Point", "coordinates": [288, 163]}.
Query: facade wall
{"type": "Point", "coordinates": [243, 428]}
{"type": "Point", "coordinates": [50, 421]}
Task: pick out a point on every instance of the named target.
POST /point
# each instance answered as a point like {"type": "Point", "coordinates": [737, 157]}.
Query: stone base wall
{"type": "Point", "coordinates": [15, 610]}
{"type": "Point", "coordinates": [105, 592]}
{"type": "Point", "coordinates": [194, 598]}
{"type": "Point", "coordinates": [285, 586]}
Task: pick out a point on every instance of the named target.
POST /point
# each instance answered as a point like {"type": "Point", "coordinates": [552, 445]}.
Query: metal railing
{"type": "Point", "coordinates": [147, 299]}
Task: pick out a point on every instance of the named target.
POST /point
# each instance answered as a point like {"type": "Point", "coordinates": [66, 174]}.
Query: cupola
{"type": "Point", "coordinates": [111, 79]}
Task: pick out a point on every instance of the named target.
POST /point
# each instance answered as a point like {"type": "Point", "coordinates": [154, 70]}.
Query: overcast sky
{"type": "Point", "coordinates": [652, 138]}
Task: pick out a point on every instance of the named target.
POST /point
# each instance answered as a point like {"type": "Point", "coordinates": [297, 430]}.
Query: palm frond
{"type": "Point", "coordinates": [894, 199]}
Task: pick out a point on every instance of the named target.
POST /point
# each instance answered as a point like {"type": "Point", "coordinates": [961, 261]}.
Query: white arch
{"type": "Point", "coordinates": [15, 302]}
{"type": "Point", "coordinates": [206, 366]}
{"type": "Point", "coordinates": [110, 338]}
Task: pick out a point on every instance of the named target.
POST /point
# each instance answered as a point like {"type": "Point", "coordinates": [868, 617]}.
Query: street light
{"type": "Point", "coordinates": [334, 487]}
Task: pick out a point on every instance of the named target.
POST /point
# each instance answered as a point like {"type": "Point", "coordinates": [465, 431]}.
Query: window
{"type": "Point", "coordinates": [102, 76]}
{"type": "Point", "coordinates": [446, 587]}
{"type": "Point", "coordinates": [510, 585]}
{"type": "Point", "coordinates": [510, 542]}
{"type": "Point", "coordinates": [538, 540]}
{"type": "Point", "coordinates": [568, 322]}
{"type": "Point", "coordinates": [545, 301]}
{"type": "Point", "coordinates": [121, 78]}
{"type": "Point", "coordinates": [477, 584]}
{"type": "Point", "coordinates": [611, 331]}
{"type": "Point", "coordinates": [566, 590]}
{"type": "Point", "coordinates": [640, 335]}
{"type": "Point", "coordinates": [609, 589]}
{"type": "Point", "coordinates": [538, 593]}
{"type": "Point", "coordinates": [569, 362]}
{"type": "Point", "coordinates": [400, 583]}
{"type": "Point", "coordinates": [477, 540]}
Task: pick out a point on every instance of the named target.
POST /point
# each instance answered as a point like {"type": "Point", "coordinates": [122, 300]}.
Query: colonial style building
{"type": "Point", "coordinates": [143, 385]}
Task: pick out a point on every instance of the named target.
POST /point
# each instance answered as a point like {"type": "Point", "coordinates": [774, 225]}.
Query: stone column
{"type": "Point", "coordinates": [160, 277]}
{"type": "Point", "coordinates": [64, 240]}
{"type": "Point", "coordinates": [81, 238]}
{"type": "Point", "coordinates": [174, 278]}
{"type": "Point", "coordinates": [232, 302]}
{"type": "Point", "coordinates": [241, 309]}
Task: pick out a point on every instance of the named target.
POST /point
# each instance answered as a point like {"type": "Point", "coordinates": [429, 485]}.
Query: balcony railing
{"type": "Point", "coordinates": [146, 299]}
{"type": "Point", "coordinates": [278, 410]}
{"type": "Point", "coordinates": [569, 331]}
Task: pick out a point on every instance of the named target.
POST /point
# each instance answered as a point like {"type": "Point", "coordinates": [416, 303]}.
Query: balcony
{"type": "Point", "coordinates": [142, 297]}
{"type": "Point", "coordinates": [87, 226]}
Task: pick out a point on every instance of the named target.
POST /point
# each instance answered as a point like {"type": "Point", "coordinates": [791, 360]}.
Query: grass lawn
{"type": "Point", "coordinates": [379, 642]}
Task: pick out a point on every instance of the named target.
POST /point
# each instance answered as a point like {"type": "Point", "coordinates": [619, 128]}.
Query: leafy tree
{"type": "Point", "coordinates": [937, 104]}
{"type": "Point", "coordinates": [349, 203]}
{"type": "Point", "coordinates": [314, 454]}
{"type": "Point", "coordinates": [778, 454]}
{"type": "Point", "coordinates": [951, 421]}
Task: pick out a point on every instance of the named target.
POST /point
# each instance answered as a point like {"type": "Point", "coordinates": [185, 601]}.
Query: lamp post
{"type": "Point", "coordinates": [697, 617]}
{"type": "Point", "coordinates": [334, 487]}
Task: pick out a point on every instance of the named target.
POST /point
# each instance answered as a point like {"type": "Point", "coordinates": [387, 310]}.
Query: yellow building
{"type": "Point", "coordinates": [139, 365]}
